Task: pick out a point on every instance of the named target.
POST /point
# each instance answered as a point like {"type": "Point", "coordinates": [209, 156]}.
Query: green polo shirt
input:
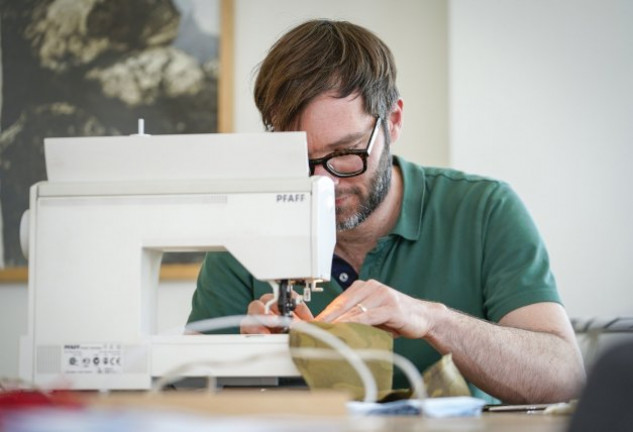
{"type": "Point", "coordinates": [462, 240]}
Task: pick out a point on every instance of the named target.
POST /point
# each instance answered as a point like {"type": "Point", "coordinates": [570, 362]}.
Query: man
{"type": "Point", "coordinates": [445, 261]}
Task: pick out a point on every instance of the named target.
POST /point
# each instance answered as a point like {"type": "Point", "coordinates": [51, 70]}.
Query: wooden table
{"type": "Point", "coordinates": [323, 412]}
{"type": "Point", "coordinates": [489, 422]}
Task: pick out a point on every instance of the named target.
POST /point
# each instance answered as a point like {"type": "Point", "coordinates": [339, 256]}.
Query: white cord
{"type": "Point", "coordinates": [235, 321]}
{"type": "Point", "coordinates": [371, 392]}
{"type": "Point", "coordinates": [411, 372]}
{"type": "Point", "coordinates": [275, 287]}
{"type": "Point", "coordinates": [341, 350]}
{"type": "Point", "coordinates": [176, 373]}
{"type": "Point", "coordinates": [369, 383]}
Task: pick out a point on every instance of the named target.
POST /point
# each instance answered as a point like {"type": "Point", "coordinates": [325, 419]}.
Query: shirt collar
{"type": "Point", "coordinates": [409, 224]}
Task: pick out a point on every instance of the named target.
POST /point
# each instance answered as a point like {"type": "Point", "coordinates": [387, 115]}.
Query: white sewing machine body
{"type": "Point", "coordinates": [111, 206]}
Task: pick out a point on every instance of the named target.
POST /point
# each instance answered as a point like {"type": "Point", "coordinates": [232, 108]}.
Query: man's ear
{"type": "Point", "coordinates": [394, 121]}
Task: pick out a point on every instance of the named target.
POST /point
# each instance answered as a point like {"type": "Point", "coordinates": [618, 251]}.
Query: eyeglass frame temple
{"type": "Point", "coordinates": [374, 134]}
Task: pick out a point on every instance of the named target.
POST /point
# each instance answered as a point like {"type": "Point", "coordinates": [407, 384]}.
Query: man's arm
{"type": "Point", "coordinates": [530, 356]}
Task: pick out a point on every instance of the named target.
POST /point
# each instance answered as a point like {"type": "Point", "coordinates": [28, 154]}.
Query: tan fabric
{"type": "Point", "coordinates": [443, 379]}
{"type": "Point", "coordinates": [338, 374]}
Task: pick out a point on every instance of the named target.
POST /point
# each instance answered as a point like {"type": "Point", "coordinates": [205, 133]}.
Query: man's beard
{"type": "Point", "coordinates": [378, 188]}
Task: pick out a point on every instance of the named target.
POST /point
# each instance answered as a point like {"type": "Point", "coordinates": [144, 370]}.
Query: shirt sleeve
{"type": "Point", "coordinates": [224, 287]}
{"type": "Point", "coordinates": [516, 269]}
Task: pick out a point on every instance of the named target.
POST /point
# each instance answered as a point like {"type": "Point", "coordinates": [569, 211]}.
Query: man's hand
{"type": "Point", "coordinates": [258, 308]}
{"type": "Point", "coordinates": [370, 302]}
{"type": "Point", "coordinates": [529, 356]}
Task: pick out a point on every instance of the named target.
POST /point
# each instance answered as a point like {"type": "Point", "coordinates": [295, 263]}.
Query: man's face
{"type": "Point", "coordinates": [338, 124]}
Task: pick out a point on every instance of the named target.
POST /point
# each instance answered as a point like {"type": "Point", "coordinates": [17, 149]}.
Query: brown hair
{"type": "Point", "coordinates": [319, 56]}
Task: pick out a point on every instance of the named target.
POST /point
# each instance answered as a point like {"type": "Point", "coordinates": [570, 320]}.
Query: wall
{"type": "Point", "coordinates": [258, 23]}
{"type": "Point", "coordinates": [541, 95]}
{"type": "Point", "coordinates": [414, 30]}
{"type": "Point", "coordinates": [13, 312]}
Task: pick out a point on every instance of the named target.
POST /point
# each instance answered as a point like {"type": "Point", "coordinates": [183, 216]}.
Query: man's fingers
{"type": "Point", "coordinates": [303, 312]}
{"type": "Point", "coordinates": [341, 306]}
{"type": "Point", "coordinates": [250, 329]}
{"type": "Point", "coordinates": [359, 293]}
{"type": "Point", "coordinates": [259, 321]}
{"type": "Point", "coordinates": [251, 325]}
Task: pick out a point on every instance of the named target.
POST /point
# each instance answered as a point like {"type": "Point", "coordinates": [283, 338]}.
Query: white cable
{"type": "Point", "coordinates": [275, 287]}
{"type": "Point", "coordinates": [365, 375]}
{"type": "Point", "coordinates": [139, 353]}
{"type": "Point", "coordinates": [410, 371]}
{"type": "Point", "coordinates": [235, 321]}
{"type": "Point", "coordinates": [371, 392]}
{"type": "Point", "coordinates": [176, 373]}
{"type": "Point", "coordinates": [353, 357]}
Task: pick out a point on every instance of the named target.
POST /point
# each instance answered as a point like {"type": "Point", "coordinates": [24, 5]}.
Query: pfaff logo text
{"type": "Point", "coordinates": [288, 198]}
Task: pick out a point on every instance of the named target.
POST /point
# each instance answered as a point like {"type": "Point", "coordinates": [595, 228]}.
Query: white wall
{"type": "Point", "coordinates": [541, 95]}
{"type": "Point", "coordinates": [416, 32]}
{"type": "Point", "coordinates": [13, 307]}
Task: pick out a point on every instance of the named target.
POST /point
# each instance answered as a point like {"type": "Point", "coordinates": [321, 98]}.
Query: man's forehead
{"type": "Point", "coordinates": [330, 107]}
{"type": "Point", "coordinates": [326, 140]}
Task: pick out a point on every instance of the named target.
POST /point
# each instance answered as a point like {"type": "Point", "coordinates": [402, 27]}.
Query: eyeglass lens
{"type": "Point", "coordinates": [346, 164]}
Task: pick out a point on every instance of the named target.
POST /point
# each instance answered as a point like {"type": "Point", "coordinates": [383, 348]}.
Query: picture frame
{"type": "Point", "coordinates": [57, 81]}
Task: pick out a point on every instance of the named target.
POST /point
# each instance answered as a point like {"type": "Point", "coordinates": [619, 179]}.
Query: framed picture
{"type": "Point", "coordinates": [87, 68]}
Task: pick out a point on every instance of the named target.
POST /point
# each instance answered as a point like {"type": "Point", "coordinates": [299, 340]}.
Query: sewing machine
{"type": "Point", "coordinates": [96, 230]}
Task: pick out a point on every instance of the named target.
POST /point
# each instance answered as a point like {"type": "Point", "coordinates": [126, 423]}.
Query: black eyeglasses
{"type": "Point", "coordinates": [349, 162]}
